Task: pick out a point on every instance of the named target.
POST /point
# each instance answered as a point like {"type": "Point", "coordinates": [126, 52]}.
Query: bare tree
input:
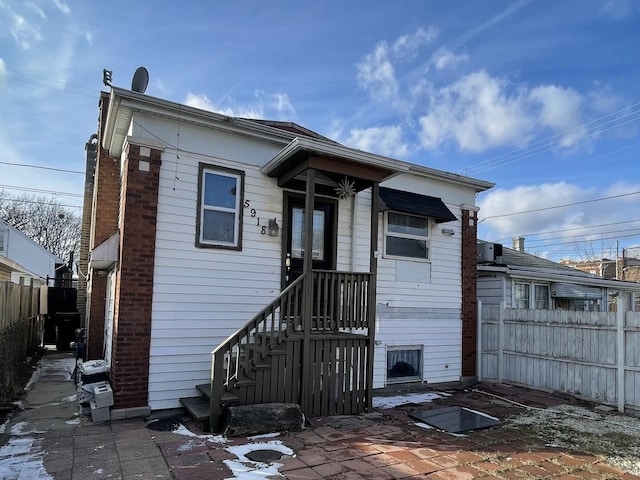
{"type": "Point", "coordinates": [590, 251]}
{"type": "Point", "coordinates": [43, 219]}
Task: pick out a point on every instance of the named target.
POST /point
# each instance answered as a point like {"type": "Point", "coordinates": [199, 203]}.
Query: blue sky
{"type": "Point", "coordinates": [540, 97]}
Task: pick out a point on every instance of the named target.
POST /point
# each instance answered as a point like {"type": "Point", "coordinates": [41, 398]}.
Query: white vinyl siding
{"type": "Point", "coordinates": [418, 302]}
{"type": "Point", "coordinates": [203, 295]}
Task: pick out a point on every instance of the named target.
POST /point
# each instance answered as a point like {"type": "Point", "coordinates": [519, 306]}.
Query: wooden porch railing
{"type": "Point", "coordinates": [264, 361]}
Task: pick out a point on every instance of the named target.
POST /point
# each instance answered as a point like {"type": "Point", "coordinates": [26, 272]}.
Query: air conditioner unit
{"type": "Point", "coordinates": [489, 252]}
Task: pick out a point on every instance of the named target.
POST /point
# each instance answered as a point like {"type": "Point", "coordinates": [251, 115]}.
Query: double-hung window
{"type": "Point", "coordinates": [406, 236]}
{"type": "Point", "coordinates": [521, 295]}
{"type": "Point", "coordinates": [219, 223]}
{"type": "Point", "coordinates": [541, 297]}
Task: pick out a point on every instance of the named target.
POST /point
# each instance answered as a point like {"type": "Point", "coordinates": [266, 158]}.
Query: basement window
{"type": "Point", "coordinates": [220, 192]}
{"type": "Point", "coordinates": [404, 364]}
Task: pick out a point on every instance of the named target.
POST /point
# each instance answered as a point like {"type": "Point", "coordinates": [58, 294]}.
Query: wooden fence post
{"type": "Point", "coordinates": [620, 348]}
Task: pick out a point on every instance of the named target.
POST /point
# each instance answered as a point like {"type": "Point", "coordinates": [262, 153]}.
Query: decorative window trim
{"type": "Point", "coordinates": [426, 239]}
{"type": "Point", "coordinates": [203, 169]}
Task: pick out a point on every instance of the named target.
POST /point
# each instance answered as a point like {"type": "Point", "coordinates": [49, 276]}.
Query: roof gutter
{"type": "Point", "coordinates": [555, 277]}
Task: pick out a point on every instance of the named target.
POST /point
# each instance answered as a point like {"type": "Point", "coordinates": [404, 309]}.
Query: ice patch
{"type": "Point", "coordinates": [391, 402]}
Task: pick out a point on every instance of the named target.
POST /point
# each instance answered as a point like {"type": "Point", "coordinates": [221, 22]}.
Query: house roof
{"type": "Point", "coordinates": [521, 265]}
{"type": "Point", "coordinates": [294, 139]}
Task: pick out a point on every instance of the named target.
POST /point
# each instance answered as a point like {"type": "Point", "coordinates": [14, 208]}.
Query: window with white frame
{"type": "Point", "coordinates": [219, 223]}
{"type": "Point", "coordinates": [404, 364]}
{"type": "Point", "coordinates": [521, 295]}
{"type": "Point", "coordinates": [541, 293]}
{"type": "Point", "coordinates": [406, 236]}
{"type": "Point", "coordinates": [4, 234]}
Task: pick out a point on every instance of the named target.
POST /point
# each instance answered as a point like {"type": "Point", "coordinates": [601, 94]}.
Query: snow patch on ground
{"type": "Point", "coordinates": [391, 402]}
{"type": "Point", "coordinates": [22, 458]}
{"type": "Point", "coordinates": [182, 430]}
{"type": "Point", "coordinates": [246, 469]}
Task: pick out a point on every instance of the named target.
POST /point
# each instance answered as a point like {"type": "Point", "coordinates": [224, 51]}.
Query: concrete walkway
{"type": "Point", "coordinates": [48, 439]}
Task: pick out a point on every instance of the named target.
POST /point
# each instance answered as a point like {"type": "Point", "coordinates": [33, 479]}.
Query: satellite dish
{"type": "Point", "coordinates": [140, 80]}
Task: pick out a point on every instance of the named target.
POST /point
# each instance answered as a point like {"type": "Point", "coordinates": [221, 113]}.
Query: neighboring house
{"type": "Point", "coordinates": [197, 243]}
{"type": "Point", "coordinates": [521, 280]}
{"type": "Point", "coordinates": [22, 259]}
{"type": "Point", "coordinates": [626, 267]}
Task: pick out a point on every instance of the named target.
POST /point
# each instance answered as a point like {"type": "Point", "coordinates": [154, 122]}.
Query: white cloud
{"type": "Point", "coordinates": [477, 112]}
{"type": "Point", "coordinates": [283, 106]}
{"type": "Point", "coordinates": [565, 224]}
{"type": "Point", "coordinates": [381, 140]}
{"type": "Point", "coordinates": [376, 71]}
{"type": "Point", "coordinates": [376, 74]}
{"type": "Point", "coordinates": [22, 30]}
{"type": "Point", "coordinates": [200, 100]}
{"type": "Point", "coordinates": [36, 9]}
{"type": "Point", "coordinates": [560, 110]}
{"type": "Point", "coordinates": [444, 58]}
{"type": "Point", "coordinates": [63, 7]}
{"type": "Point", "coordinates": [619, 9]}
{"type": "Point", "coordinates": [406, 46]}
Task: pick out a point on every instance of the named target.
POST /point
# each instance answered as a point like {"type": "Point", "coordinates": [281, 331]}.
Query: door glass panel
{"type": "Point", "coordinates": [297, 234]}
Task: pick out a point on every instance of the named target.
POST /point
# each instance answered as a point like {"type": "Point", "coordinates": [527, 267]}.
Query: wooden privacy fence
{"type": "Point", "coordinates": [594, 356]}
{"type": "Point", "coordinates": [20, 333]}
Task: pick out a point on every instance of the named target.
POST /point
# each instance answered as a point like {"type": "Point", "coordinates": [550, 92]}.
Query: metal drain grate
{"type": "Point", "coordinates": [164, 424]}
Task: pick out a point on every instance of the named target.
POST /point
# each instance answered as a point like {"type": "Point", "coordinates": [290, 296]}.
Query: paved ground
{"type": "Point", "coordinates": [49, 440]}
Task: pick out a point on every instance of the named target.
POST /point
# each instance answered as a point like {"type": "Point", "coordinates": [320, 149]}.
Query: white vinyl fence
{"type": "Point", "coordinates": [592, 355]}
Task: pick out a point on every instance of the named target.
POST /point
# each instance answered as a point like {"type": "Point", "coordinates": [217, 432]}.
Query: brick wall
{"type": "Point", "coordinates": [134, 281]}
{"type": "Point", "coordinates": [469, 296]}
{"type": "Point", "coordinates": [103, 223]}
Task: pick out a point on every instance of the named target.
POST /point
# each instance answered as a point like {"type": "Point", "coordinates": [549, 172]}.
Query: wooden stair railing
{"type": "Point", "coordinates": [240, 354]}
{"type": "Point", "coordinates": [251, 358]}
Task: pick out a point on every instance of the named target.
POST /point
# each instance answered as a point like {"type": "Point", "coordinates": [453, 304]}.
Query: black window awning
{"type": "Point", "coordinates": [415, 204]}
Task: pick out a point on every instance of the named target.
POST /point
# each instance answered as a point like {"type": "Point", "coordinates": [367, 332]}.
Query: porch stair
{"type": "Point", "coordinates": [315, 353]}
{"type": "Point", "coordinates": [198, 407]}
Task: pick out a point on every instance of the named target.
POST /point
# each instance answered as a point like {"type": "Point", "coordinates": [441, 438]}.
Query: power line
{"type": "Point", "coordinates": [573, 242]}
{"type": "Point", "coordinates": [36, 190]}
{"type": "Point", "coordinates": [41, 203]}
{"type": "Point", "coordinates": [568, 229]}
{"type": "Point", "coordinates": [63, 86]}
{"type": "Point", "coordinates": [559, 206]}
{"type": "Point", "coordinates": [42, 167]}
{"type": "Point", "coordinates": [526, 151]}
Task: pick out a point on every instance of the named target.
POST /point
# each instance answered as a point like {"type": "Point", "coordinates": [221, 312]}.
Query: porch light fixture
{"type": "Point", "coordinates": [448, 232]}
{"type": "Point", "coordinates": [273, 228]}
